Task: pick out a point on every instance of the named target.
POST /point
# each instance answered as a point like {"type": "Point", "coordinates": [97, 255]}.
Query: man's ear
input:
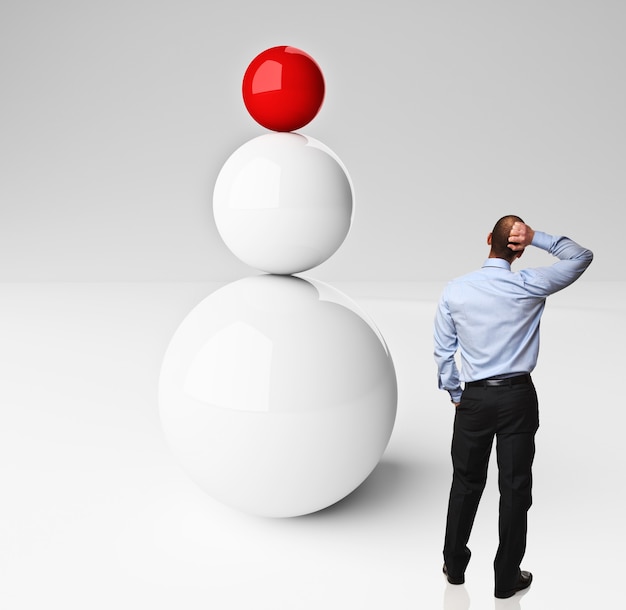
{"type": "Point", "coordinates": [489, 238]}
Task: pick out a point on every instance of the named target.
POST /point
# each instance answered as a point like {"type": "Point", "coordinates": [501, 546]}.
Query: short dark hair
{"type": "Point", "coordinates": [500, 237]}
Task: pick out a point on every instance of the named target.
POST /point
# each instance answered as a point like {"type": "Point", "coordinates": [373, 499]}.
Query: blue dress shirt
{"type": "Point", "coordinates": [492, 315]}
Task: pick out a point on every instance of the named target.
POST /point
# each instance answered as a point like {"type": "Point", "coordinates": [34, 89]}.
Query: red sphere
{"type": "Point", "coordinates": [283, 88]}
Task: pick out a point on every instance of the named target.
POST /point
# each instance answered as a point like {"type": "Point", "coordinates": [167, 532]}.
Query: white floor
{"type": "Point", "coordinates": [94, 512]}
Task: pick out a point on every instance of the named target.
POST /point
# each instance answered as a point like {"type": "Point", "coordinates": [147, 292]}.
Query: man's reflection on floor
{"type": "Point", "coordinates": [456, 597]}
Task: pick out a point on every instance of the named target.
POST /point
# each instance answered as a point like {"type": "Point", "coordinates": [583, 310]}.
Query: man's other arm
{"type": "Point", "coordinates": [446, 344]}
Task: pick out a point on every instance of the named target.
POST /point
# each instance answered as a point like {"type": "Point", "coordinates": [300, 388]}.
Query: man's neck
{"type": "Point", "coordinates": [510, 261]}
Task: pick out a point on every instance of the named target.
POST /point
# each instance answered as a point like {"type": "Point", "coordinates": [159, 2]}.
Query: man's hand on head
{"type": "Point", "coordinates": [521, 235]}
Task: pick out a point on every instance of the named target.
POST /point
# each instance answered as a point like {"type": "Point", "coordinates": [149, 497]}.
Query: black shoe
{"type": "Point", "coordinates": [525, 578]}
{"type": "Point", "coordinates": [451, 580]}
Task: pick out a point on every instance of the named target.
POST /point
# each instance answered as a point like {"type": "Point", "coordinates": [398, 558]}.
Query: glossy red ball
{"type": "Point", "coordinates": [283, 88]}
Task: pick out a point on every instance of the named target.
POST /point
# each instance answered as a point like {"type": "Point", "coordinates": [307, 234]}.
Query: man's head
{"type": "Point", "coordinates": [498, 239]}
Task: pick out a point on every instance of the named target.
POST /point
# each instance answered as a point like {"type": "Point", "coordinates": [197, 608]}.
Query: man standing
{"type": "Point", "coordinates": [492, 317]}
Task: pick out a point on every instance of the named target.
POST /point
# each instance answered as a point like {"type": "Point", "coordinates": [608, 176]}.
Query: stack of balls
{"type": "Point", "coordinates": [277, 394]}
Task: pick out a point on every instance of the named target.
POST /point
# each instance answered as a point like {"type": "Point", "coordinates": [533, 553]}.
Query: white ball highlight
{"type": "Point", "coordinates": [283, 203]}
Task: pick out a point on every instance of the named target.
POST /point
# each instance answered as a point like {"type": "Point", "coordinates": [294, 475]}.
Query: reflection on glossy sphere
{"type": "Point", "coordinates": [283, 88]}
{"type": "Point", "coordinates": [283, 203]}
{"type": "Point", "coordinates": [277, 395]}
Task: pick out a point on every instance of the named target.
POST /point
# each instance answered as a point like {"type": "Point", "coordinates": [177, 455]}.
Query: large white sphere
{"type": "Point", "coordinates": [277, 395]}
{"type": "Point", "coordinates": [283, 203]}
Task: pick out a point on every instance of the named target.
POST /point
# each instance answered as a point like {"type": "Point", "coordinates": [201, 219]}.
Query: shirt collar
{"type": "Point", "coordinates": [499, 263]}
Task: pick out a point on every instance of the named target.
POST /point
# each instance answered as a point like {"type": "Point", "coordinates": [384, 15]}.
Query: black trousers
{"type": "Point", "coordinates": [509, 413]}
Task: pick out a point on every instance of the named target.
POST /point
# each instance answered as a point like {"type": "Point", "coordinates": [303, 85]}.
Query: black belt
{"type": "Point", "coordinates": [496, 382]}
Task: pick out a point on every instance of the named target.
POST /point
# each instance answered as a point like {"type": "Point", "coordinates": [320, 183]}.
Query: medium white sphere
{"type": "Point", "coordinates": [283, 203]}
{"type": "Point", "coordinates": [277, 395]}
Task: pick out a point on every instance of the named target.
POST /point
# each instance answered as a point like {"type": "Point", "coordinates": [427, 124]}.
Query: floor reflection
{"type": "Point", "coordinates": [456, 597]}
{"type": "Point", "coordinates": [512, 603]}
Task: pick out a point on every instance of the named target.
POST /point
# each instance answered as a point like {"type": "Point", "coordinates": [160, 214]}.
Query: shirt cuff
{"type": "Point", "coordinates": [542, 240]}
{"type": "Point", "coordinates": [455, 395]}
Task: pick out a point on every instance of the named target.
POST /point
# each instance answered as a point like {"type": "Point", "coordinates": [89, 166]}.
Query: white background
{"type": "Point", "coordinates": [95, 513]}
{"type": "Point", "coordinates": [115, 119]}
